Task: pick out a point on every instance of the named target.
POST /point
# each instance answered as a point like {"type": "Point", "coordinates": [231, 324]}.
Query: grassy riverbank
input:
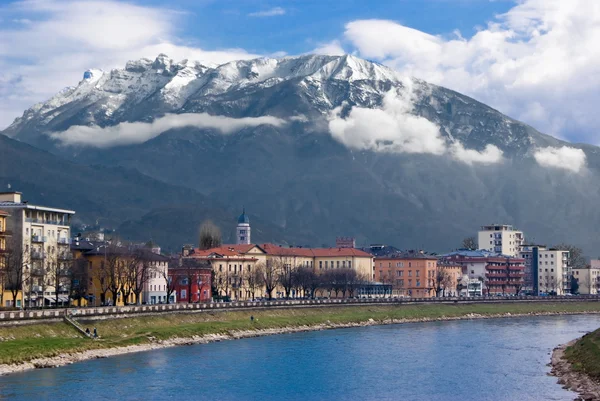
{"type": "Point", "coordinates": [23, 343]}
{"type": "Point", "coordinates": [584, 355]}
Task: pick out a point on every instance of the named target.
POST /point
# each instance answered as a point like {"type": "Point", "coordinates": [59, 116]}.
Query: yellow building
{"type": "Point", "coordinates": [102, 270]}
{"type": "Point", "coordinates": [6, 295]}
{"type": "Point", "coordinates": [42, 235]}
{"type": "Point", "coordinates": [233, 264]}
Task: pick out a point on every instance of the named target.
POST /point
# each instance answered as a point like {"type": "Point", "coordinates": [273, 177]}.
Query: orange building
{"type": "Point", "coordinates": [411, 273]}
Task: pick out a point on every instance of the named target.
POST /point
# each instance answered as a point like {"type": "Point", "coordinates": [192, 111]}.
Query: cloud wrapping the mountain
{"type": "Point", "coordinates": [526, 62]}
{"type": "Point", "coordinates": [394, 128]}
{"type": "Point", "coordinates": [565, 157]}
{"type": "Point", "coordinates": [390, 129]}
{"type": "Point", "coordinates": [65, 38]}
{"type": "Point", "coordinates": [490, 155]}
{"type": "Point", "coordinates": [138, 132]}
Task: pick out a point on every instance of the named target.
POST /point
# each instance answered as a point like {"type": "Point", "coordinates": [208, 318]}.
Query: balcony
{"type": "Point", "coordinates": [42, 221]}
{"type": "Point", "coordinates": [492, 275]}
{"type": "Point", "coordinates": [65, 256]}
{"type": "Point", "coordinates": [37, 255]}
{"type": "Point", "coordinates": [38, 239]}
{"type": "Point", "coordinates": [36, 288]}
{"type": "Point", "coordinates": [517, 275]}
{"type": "Point", "coordinates": [63, 241]}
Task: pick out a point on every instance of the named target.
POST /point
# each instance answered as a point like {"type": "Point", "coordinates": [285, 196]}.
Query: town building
{"type": "Point", "coordinates": [500, 238]}
{"type": "Point", "coordinates": [155, 276]}
{"type": "Point", "coordinates": [588, 278]}
{"type": "Point", "coordinates": [5, 295]}
{"type": "Point", "coordinates": [233, 265]}
{"type": "Point", "coordinates": [411, 273]}
{"type": "Point", "coordinates": [189, 280]}
{"type": "Point", "coordinates": [43, 235]}
{"type": "Point", "coordinates": [547, 271]}
{"type": "Point", "coordinates": [243, 230]}
{"type": "Point", "coordinates": [500, 274]}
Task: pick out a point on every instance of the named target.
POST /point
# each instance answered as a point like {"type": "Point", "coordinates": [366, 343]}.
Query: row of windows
{"type": "Point", "coordinates": [330, 264]}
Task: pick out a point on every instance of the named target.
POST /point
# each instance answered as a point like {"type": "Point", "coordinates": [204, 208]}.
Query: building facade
{"type": "Point", "coordinates": [43, 235]}
{"type": "Point", "coordinates": [547, 271]}
{"type": "Point", "coordinates": [500, 238]}
{"type": "Point", "coordinates": [156, 283]}
{"type": "Point", "coordinates": [499, 274]}
{"type": "Point", "coordinates": [233, 265]}
{"type": "Point", "coordinates": [588, 278]}
{"type": "Point", "coordinates": [411, 274]}
{"type": "Point", "coordinates": [5, 295]}
{"type": "Point", "coordinates": [190, 280]}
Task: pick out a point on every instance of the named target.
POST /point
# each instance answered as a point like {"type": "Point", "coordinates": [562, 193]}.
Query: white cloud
{"type": "Point", "coordinates": [65, 38]}
{"type": "Point", "coordinates": [138, 132]}
{"type": "Point", "coordinates": [565, 157]}
{"type": "Point", "coordinates": [273, 12]}
{"type": "Point", "coordinates": [394, 129]}
{"type": "Point", "coordinates": [538, 62]}
{"type": "Point", "coordinates": [490, 155]}
{"type": "Point", "coordinates": [333, 48]}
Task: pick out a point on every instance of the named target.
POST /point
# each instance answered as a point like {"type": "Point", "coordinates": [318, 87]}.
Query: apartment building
{"type": "Point", "coordinates": [411, 273]}
{"type": "Point", "coordinates": [547, 270]}
{"type": "Point", "coordinates": [43, 234]}
{"type": "Point", "coordinates": [5, 296]}
{"type": "Point", "coordinates": [500, 274]}
{"type": "Point", "coordinates": [588, 278]}
{"type": "Point", "coordinates": [500, 238]}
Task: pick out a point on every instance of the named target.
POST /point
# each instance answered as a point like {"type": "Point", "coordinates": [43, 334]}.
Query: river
{"type": "Point", "coordinates": [497, 359]}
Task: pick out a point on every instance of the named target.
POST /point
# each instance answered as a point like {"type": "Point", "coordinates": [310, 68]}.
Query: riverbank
{"type": "Point", "coordinates": [577, 366]}
{"type": "Point", "coordinates": [56, 344]}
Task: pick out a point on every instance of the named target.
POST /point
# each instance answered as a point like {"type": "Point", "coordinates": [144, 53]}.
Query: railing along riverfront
{"type": "Point", "coordinates": [83, 312]}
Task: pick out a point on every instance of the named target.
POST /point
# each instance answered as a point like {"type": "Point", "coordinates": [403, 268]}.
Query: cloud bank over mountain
{"type": "Point", "coordinates": [525, 62]}
{"type": "Point", "coordinates": [394, 128]}
{"type": "Point", "coordinates": [565, 158]}
{"type": "Point", "coordinates": [138, 132]}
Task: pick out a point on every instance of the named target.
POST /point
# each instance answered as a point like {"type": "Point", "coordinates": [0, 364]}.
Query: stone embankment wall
{"type": "Point", "coordinates": [24, 316]}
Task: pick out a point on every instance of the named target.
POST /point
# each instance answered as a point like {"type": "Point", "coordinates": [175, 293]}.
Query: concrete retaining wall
{"type": "Point", "coordinates": [124, 311]}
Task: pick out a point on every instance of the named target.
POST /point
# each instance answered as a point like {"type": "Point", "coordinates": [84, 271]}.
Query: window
{"type": "Point", "coordinates": [418, 283]}
{"type": "Point", "coordinates": [417, 273]}
{"type": "Point", "coordinates": [409, 264]}
{"type": "Point", "coordinates": [183, 294]}
{"type": "Point", "coordinates": [410, 273]}
{"type": "Point", "coordinates": [344, 263]}
{"type": "Point", "coordinates": [321, 264]}
{"type": "Point", "coordinates": [326, 264]}
{"type": "Point", "coordinates": [350, 264]}
{"type": "Point", "coordinates": [338, 264]}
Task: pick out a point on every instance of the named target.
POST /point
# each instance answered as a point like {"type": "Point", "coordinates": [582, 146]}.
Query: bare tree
{"type": "Point", "coordinates": [210, 235]}
{"type": "Point", "coordinates": [269, 273]}
{"type": "Point", "coordinates": [58, 272]}
{"type": "Point", "coordinates": [576, 258]}
{"type": "Point", "coordinates": [441, 280]}
{"type": "Point", "coordinates": [286, 276]}
{"type": "Point", "coordinates": [469, 243]}
{"type": "Point", "coordinates": [78, 278]}
{"type": "Point", "coordinates": [252, 280]}
{"type": "Point", "coordinates": [170, 276]}
{"type": "Point", "coordinates": [16, 268]}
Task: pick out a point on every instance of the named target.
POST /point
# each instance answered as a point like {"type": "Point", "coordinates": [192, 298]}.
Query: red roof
{"type": "Point", "coordinates": [3, 213]}
{"type": "Point", "coordinates": [277, 250]}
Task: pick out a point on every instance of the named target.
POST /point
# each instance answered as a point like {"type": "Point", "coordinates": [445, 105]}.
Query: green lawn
{"type": "Point", "coordinates": [22, 343]}
{"type": "Point", "coordinates": [584, 355]}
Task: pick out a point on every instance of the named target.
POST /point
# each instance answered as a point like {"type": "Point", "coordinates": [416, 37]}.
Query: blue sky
{"type": "Point", "coordinates": [534, 60]}
{"type": "Point", "coordinates": [223, 24]}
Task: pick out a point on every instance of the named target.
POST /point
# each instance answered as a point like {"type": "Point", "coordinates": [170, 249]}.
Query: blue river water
{"type": "Point", "coordinates": [498, 359]}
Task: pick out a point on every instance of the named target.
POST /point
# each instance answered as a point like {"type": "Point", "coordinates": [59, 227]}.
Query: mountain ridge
{"type": "Point", "coordinates": [314, 185]}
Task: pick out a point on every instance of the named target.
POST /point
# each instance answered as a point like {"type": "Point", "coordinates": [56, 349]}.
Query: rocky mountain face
{"type": "Point", "coordinates": [271, 149]}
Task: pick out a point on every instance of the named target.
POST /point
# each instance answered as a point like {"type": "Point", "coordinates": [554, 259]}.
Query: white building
{"type": "Point", "coordinates": [243, 230]}
{"type": "Point", "coordinates": [500, 238]}
{"type": "Point", "coordinates": [43, 233]}
{"type": "Point", "coordinates": [553, 273]}
{"type": "Point", "coordinates": [155, 288]}
{"type": "Point", "coordinates": [471, 287]}
{"type": "Point", "coordinates": [588, 278]}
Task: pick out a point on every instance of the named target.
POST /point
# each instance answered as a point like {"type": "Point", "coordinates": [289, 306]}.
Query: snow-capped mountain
{"type": "Point", "coordinates": [317, 146]}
